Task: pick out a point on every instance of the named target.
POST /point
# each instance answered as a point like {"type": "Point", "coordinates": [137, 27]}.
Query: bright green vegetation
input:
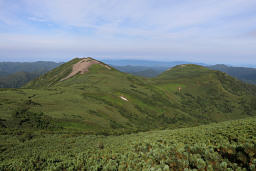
{"type": "Point", "coordinates": [91, 103]}
{"type": "Point", "coordinates": [229, 145]}
{"type": "Point", "coordinates": [98, 121]}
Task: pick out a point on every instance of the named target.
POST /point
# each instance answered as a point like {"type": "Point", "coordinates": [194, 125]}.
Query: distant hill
{"type": "Point", "coordinates": [242, 73]}
{"type": "Point", "coordinates": [245, 74]}
{"type": "Point", "coordinates": [145, 68]}
{"type": "Point", "coordinates": [17, 79]}
{"type": "Point", "coordinates": [17, 74]}
{"type": "Point", "coordinates": [13, 67]}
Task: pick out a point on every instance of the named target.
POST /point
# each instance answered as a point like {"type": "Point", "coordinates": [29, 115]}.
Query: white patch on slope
{"type": "Point", "coordinates": [123, 98]}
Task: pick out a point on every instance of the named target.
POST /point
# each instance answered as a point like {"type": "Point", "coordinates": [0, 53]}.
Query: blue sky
{"type": "Point", "coordinates": [210, 31]}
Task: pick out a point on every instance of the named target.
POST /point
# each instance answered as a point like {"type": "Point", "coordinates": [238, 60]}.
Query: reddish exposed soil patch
{"type": "Point", "coordinates": [82, 66]}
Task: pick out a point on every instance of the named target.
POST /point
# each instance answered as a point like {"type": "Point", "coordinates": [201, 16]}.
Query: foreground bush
{"type": "Point", "coordinates": [224, 146]}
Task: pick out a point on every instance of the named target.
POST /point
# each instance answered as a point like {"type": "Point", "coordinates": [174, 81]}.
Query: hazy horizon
{"type": "Point", "coordinates": [203, 31]}
{"type": "Point", "coordinates": [128, 61]}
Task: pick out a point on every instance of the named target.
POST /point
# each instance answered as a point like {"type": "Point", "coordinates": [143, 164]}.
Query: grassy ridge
{"type": "Point", "coordinates": [228, 145]}
{"type": "Point", "coordinates": [91, 102]}
{"type": "Point", "coordinates": [53, 76]}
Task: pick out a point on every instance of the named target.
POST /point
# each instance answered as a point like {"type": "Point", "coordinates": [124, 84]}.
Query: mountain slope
{"type": "Point", "coordinates": [195, 74]}
{"type": "Point", "coordinates": [209, 94]}
{"type": "Point", "coordinates": [68, 70]}
{"type": "Point", "coordinates": [99, 98]}
{"type": "Point", "coordinates": [242, 73]}
{"type": "Point", "coordinates": [224, 146]}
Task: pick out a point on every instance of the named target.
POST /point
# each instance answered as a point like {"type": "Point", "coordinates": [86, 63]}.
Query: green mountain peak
{"type": "Point", "coordinates": [73, 68]}
{"type": "Point", "coordinates": [89, 95]}
{"type": "Point", "coordinates": [83, 66]}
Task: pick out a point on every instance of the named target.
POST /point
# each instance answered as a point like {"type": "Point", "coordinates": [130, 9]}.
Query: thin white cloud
{"type": "Point", "coordinates": [145, 28]}
{"type": "Point", "coordinates": [37, 19]}
{"type": "Point", "coordinates": [107, 15]}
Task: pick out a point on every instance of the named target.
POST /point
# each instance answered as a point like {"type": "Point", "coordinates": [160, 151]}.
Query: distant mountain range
{"type": "Point", "coordinates": [13, 67]}
{"type": "Point", "coordinates": [146, 68]}
{"type": "Point", "coordinates": [242, 73]}
{"type": "Point", "coordinates": [153, 68]}
{"type": "Point", "coordinates": [17, 74]}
